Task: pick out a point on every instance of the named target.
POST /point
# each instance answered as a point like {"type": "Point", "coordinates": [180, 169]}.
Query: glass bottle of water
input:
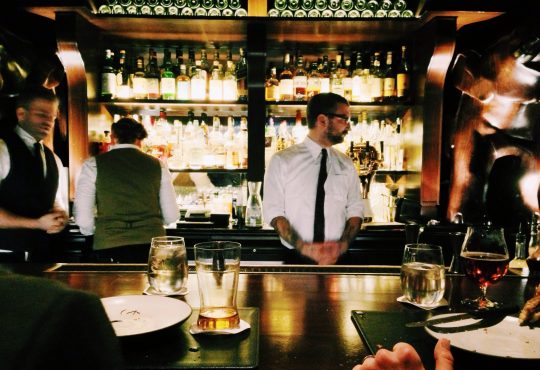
{"type": "Point", "coordinates": [254, 213]}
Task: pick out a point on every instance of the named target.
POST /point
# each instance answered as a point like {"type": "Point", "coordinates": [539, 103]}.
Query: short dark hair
{"type": "Point", "coordinates": [127, 130]}
{"type": "Point", "coordinates": [323, 103]}
{"type": "Point", "coordinates": [28, 95]}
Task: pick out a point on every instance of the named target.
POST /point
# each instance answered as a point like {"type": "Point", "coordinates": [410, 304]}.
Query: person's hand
{"type": "Point", "coordinates": [326, 253]}
{"type": "Point", "coordinates": [404, 357]}
{"type": "Point", "coordinates": [54, 221]}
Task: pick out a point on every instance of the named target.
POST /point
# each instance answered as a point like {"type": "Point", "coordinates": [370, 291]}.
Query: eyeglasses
{"type": "Point", "coordinates": [341, 116]}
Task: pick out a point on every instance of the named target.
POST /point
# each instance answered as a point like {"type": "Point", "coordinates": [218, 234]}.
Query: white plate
{"type": "Point", "coordinates": [138, 314]}
{"type": "Point", "coordinates": [506, 339]}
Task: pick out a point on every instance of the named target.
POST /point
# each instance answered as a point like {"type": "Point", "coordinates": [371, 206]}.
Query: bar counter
{"type": "Point", "coordinates": [305, 311]}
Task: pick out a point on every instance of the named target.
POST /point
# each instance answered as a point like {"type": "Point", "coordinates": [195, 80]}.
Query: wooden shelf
{"type": "Point", "coordinates": [175, 108]}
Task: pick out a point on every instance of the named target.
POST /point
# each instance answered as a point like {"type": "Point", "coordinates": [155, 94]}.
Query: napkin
{"type": "Point", "coordinates": [151, 291]}
{"type": "Point", "coordinates": [194, 329]}
{"type": "Point", "coordinates": [443, 302]}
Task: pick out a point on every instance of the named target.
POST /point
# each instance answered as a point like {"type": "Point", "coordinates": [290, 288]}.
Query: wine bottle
{"type": "Point", "coordinates": [168, 80]}
{"type": "Point", "coordinates": [286, 87]}
{"type": "Point", "coordinates": [108, 76]}
{"type": "Point", "coordinates": [300, 80]}
{"type": "Point", "coordinates": [403, 77]}
{"type": "Point", "coordinates": [389, 84]}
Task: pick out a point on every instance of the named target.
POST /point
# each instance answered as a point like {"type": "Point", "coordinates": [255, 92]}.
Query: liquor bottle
{"type": "Point", "coordinates": [168, 80]}
{"type": "Point", "coordinates": [286, 86]}
{"type": "Point", "coordinates": [324, 75]}
{"type": "Point", "coordinates": [520, 258]}
{"type": "Point", "coordinates": [534, 241]}
{"type": "Point", "coordinates": [376, 79]}
{"type": "Point", "coordinates": [347, 80]}
{"type": "Point", "coordinates": [271, 86]}
{"type": "Point", "coordinates": [230, 84]}
{"type": "Point", "coordinates": [361, 86]}
{"type": "Point", "coordinates": [140, 90]}
{"type": "Point", "coordinates": [183, 88]}
{"type": "Point", "coordinates": [123, 88]}
{"type": "Point", "coordinates": [205, 66]}
{"type": "Point", "coordinates": [191, 65]}
{"type": "Point", "coordinates": [389, 84]}
{"type": "Point", "coordinates": [336, 82]}
{"type": "Point", "coordinates": [108, 76]}
{"type": "Point", "coordinates": [300, 80]}
{"type": "Point", "coordinates": [314, 82]}
{"type": "Point", "coordinates": [403, 77]}
{"type": "Point", "coordinates": [241, 77]}
{"type": "Point", "coordinates": [215, 84]}
{"type": "Point", "coordinates": [198, 85]}
{"type": "Point", "coordinates": [179, 60]}
{"type": "Point", "coordinates": [152, 76]}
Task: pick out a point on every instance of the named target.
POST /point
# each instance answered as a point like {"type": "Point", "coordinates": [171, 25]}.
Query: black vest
{"type": "Point", "coordinates": [25, 192]}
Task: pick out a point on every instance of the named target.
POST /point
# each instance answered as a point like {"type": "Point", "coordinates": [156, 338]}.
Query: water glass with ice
{"type": "Point", "coordinates": [167, 265]}
{"type": "Point", "coordinates": [423, 274]}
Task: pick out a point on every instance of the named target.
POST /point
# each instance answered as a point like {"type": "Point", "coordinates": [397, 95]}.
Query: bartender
{"type": "Point", "coordinates": [312, 192]}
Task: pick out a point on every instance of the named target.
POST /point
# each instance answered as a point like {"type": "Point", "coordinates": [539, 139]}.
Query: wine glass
{"type": "Point", "coordinates": [485, 258]}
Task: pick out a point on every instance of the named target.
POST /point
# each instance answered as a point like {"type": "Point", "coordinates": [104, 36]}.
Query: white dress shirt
{"type": "Point", "coordinates": [85, 194]}
{"type": "Point", "coordinates": [290, 189]}
{"type": "Point", "coordinates": [29, 141]}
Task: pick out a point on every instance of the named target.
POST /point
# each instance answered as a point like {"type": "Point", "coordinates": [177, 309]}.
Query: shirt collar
{"type": "Point", "coordinates": [313, 147]}
{"type": "Point", "coordinates": [124, 146]}
{"type": "Point", "coordinates": [28, 139]}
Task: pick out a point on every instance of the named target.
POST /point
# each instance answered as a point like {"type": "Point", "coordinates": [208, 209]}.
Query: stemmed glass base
{"type": "Point", "coordinates": [480, 303]}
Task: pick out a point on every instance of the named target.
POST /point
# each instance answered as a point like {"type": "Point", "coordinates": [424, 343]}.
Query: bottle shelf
{"type": "Point", "coordinates": [174, 107]}
{"type": "Point", "coordinates": [289, 108]}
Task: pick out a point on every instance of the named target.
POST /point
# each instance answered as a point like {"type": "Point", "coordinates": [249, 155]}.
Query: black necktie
{"type": "Point", "coordinates": [318, 227]}
{"type": "Point", "coordinates": [39, 159]}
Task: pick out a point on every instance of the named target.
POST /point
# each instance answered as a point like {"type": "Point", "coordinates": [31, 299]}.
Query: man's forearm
{"type": "Point", "coordinates": [352, 226]}
{"type": "Point", "coordinates": [9, 220]}
{"type": "Point", "coordinates": [286, 232]}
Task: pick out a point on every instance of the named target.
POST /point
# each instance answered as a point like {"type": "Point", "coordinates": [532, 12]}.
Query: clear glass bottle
{"type": "Point", "coordinates": [271, 86]}
{"type": "Point", "coordinates": [389, 83]}
{"type": "Point", "coordinates": [534, 242]}
{"type": "Point", "coordinates": [521, 253]}
{"type": "Point", "coordinates": [286, 87]}
{"type": "Point", "coordinates": [241, 77]}
{"type": "Point", "coordinates": [183, 84]}
{"type": "Point", "coordinates": [254, 218]}
{"type": "Point", "coordinates": [230, 84]}
{"type": "Point", "coordinates": [376, 79]}
{"type": "Point", "coordinates": [300, 80]}
{"type": "Point", "coordinates": [140, 90]}
{"type": "Point", "coordinates": [313, 82]}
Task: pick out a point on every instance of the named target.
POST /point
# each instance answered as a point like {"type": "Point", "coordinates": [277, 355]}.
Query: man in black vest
{"type": "Point", "coordinates": [30, 206]}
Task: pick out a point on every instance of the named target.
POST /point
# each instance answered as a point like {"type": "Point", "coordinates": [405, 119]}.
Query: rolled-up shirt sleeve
{"type": "Point", "coordinates": [274, 199]}
{"type": "Point", "coordinates": [167, 196]}
{"type": "Point", "coordinates": [355, 203]}
{"type": "Point", "coordinates": [85, 197]}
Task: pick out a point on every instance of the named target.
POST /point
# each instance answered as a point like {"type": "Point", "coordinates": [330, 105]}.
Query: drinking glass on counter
{"type": "Point", "coordinates": [423, 274]}
{"type": "Point", "coordinates": [167, 265]}
{"type": "Point", "coordinates": [485, 258]}
{"type": "Point", "coordinates": [218, 266]}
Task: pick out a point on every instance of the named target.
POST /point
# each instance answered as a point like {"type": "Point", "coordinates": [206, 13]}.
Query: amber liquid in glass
{"type": "Point", "coordinates": [218, 318]}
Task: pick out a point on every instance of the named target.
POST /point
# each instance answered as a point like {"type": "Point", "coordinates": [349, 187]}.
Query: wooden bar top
{"type": "Point", "coordinates": [305, 311]}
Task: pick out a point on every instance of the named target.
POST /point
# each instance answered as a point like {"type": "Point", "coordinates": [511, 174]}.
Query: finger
{"type": "Point", "coordinates": [443, 356]}
{"type": "Point", "coordinates": [407, 356]}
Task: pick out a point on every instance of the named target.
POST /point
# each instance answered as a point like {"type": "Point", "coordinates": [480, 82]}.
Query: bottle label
{"type": "Point", "coordinates": [389, 87]}
{"type": "Point", "coordinates": [108, 84]}
{"type": "Point", "coordinates": [402, 84]}
{"type": "Point", "coordinates": [286, 89]}
{"type": "Point", "coordinates": [168, 88]}
{"type": "Point", "coordinates": [182, 90]}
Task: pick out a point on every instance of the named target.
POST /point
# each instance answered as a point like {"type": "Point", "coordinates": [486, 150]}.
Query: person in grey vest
{"type": "Point", "coordinates": [31, 203]}
{"type": "Point", "coordinates": [124, 197]}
